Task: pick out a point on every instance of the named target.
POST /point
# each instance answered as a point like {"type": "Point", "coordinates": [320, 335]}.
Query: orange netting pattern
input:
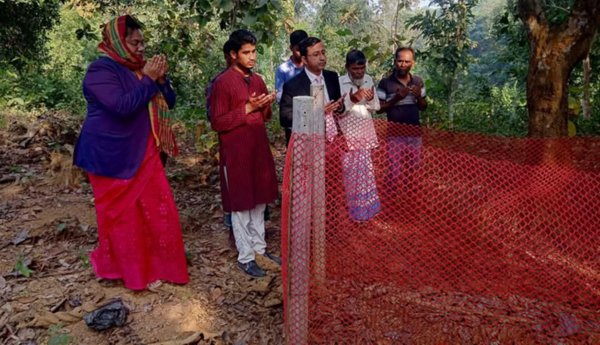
{"type": "Point", "coordinates": [419, 236]}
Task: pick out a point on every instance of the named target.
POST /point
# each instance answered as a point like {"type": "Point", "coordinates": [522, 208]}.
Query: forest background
{"type": "Point", "coordinates": [473, 55]}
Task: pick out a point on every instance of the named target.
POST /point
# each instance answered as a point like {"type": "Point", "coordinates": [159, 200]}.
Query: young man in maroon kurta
{"type": "Point", "coordinates": [240, 106]}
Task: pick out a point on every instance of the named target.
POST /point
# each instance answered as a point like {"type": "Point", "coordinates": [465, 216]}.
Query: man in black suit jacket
{"type": "Point", "coordinates": [315, 60]}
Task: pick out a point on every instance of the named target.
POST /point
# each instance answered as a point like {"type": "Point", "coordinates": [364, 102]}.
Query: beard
{"type": "Point", "coordinates": [358, 82]}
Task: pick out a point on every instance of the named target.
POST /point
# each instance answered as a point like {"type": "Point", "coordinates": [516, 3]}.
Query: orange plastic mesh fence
{"type": "Point", "coordinates": [406, 235]}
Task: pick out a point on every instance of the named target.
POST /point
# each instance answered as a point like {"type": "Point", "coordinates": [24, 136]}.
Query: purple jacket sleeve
{"type": "Point", "coordinates": [102, 83]}
{"type": "Point", "coordinates": [168, 93]}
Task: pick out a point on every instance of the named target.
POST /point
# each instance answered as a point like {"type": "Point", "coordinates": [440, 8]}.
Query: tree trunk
{"type": "Point", "coordinates": [453, 87]}
{"type": "Point", "coordinates": [587, 76]}
{"type": "Point", "coordinates": [547, 93]}
{"type": "Point", "coordinates": [554, 51]}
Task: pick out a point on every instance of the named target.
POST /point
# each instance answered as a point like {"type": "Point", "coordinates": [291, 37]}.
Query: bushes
{"type": "Point", "coordinates": [487, 101]}
{"type": "Point", "coordinates": [589, 126]}
{"type": "Point", "coordinates": [496, 110]}
{"type": "Point", "coordinates": [35, 88]}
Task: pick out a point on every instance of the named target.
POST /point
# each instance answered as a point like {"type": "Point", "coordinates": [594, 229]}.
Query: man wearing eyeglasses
{"type": "Point", "coordinates": [314, 58]}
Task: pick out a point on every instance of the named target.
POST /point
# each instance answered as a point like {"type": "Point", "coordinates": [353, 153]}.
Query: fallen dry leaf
{"type": "Point", "coordinates": [243, 339]}
{"type": "Point", "coordinates": [21, 237]}
{"type": "Point", "coordinates": [18, 288]}
{"type": "Point", "coordinates": [56, 252]}
{"type": "Point", "coordinates": [267, 264]}
{"type": "Point", "coordinates": [58, 305]}
{"type": "Point", "coordinates": [205, 260]}
{"type": "Point", "coordinates": [27, 300]}
{"type": "Point", "coordinates": [272, 302]}
{"type": "Point", "coordinates": [261, 284]}
{"type": "Point", "coordinates": [191, 339]}
{"type": "Point", "coordinates": [26, 334]}
{"type": "Point", "coordinates": [216, 294]}
{"type": "Point", "coordinates": [207, 271]}
{"type": "Point", "coordinates": [19, 307]}
{"type": "Point", "coordinates": [240, 328]}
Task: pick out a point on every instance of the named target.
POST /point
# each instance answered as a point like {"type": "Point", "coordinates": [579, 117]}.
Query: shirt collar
{"type": "Point", "coordinates": [393, 77]}
{"type": "Point", "coordinates": [240, 73]}
{"type": "Point", "coordinates": [345, 79]}
{"type": "Point", "coordinates": [292, 65]}
{"type": "Point", "coordinates": [312, 77]}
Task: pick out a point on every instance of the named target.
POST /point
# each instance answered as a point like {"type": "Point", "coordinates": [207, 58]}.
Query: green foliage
{"type": "Point", "coordinates": [23, 28]}
{"type": "Point", "coordinates": [346, 25]}
{"type": "Point", "coordinates": [85, 258]}
{"type": "Point", "coordinates": [56, 84]}
{"type": "Point", "coordinates": [589, 126]}
{"type": "Point", "coordinates": [57, 337]}
{"type": "Point", "coordinates": [207, 138]}
{"type": "Point", "coordinates": [22, 266]}
{"type": "Point", "coordinates": [189, 258]}
{"type": "Point", "coordinates": [445, 33]}
{"type": "Point", "coordinates": [33, 87]}
{"type": "Point", "coordinates": [514, 51]}
{"type": "Point", "coordinates": [481, 51]}
{"type": "Point", "coordinates": [61, 227]}
{"type": "Point", "coordinates": [448, 44]}
{"type": "Point", "coordinates": [497, 111]}
{"type": "Point", "coordinates": [174, 28]}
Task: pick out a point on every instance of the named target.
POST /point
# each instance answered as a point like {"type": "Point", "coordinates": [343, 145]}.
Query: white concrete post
{"type": "Point", "coordinates": [306, 240]}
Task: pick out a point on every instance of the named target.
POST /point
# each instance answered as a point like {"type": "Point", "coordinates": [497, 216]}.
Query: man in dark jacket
{"type": "Point", "coordinates": [315, 59]}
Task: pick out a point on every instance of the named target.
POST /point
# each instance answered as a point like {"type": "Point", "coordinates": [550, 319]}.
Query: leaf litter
{"type": "Point", "coordinates": [47, 218]}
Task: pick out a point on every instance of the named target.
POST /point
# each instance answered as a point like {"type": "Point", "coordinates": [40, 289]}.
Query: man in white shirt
{"type": "Point", "coordinates": [361, 103]}
{"type": "Point", "coordinates": [357, 127]}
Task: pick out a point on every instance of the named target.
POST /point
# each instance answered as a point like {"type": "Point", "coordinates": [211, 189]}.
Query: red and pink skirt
{"type": "Point", "coordinates": [138, 227]}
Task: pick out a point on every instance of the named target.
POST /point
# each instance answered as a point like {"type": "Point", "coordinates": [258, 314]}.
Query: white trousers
{"type": "Point", "coordinates": [249, 232]}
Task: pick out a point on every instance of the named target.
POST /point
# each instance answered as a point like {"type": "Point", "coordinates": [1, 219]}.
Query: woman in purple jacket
{"type": "Point", "coordinates": [126, 129]}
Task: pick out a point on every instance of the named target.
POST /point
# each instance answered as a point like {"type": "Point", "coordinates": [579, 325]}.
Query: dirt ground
{"type": "Point", "coordinates": [48, 227]}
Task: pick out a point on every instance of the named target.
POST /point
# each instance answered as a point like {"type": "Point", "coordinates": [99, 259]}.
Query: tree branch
{"type": "Point", "coordinates": [533, 16]}
{"type": "Point", "coordinates": [562, 9]}
{"type": "Point", "coordinates": [579, 30]}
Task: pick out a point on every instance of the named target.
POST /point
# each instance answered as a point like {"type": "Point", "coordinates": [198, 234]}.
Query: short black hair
{"type": "Point", "coordinates": [410, 49]}
{"type": "Point", "coordinates": [355, 56]}
{"type": "Point", "coordinates": [297, 36]}
{"type": "Point", "coordinates": [131, 24]}
{"type": "Point", "coordinates": [307, 43]}
{"type": "Point", "coordinates": [240, 37]}
{"type": "Point", "coordinates": [227, 47]}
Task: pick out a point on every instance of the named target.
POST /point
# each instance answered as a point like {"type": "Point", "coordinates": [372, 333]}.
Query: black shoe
{"type": "Point", "coordinates": [227, 220]}
{"type": "Point", "coordinates": [271, 257]}
{"type": "Point", "coordinates": [252, 269]}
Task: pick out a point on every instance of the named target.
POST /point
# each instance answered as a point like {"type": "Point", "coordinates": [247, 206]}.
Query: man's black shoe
{"type": "Point", "coordinates": [252, 269]}
{"type": "Point", "coordinates": [271, 257]}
